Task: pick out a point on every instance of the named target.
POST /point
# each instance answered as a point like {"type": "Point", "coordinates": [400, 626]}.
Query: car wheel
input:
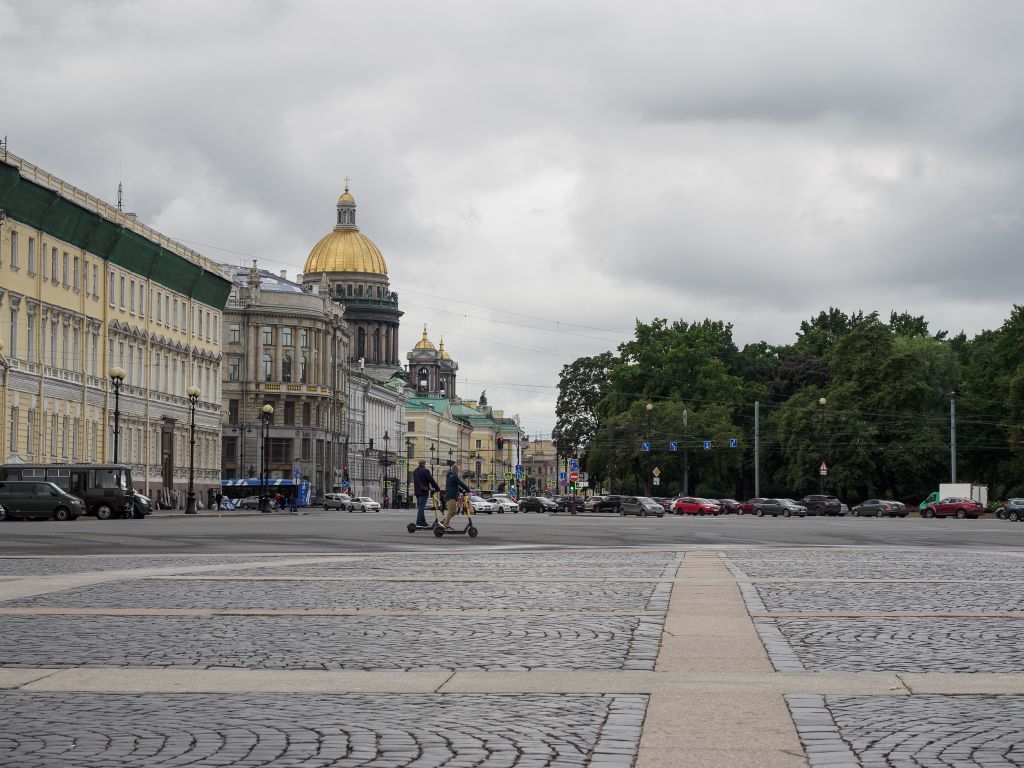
{"type": "Point", "coordinates": [759, 512]}
{"type": "Point", "coordinates": [928, 513]}
{"type": "Point", "coordinates": [104, 512]}
{"type": "Point", "coordinates": [62, 514]}
{"type": "Point", "coordinates": [3, 514]}
{"type": "Point", "coordinates": [643, 513]}
{"type": "Point", "coordinates": [622, 512]}
{"type": "Point", "coordinates": [1013, 516]}
{"type": "Point", "coordinates": [855, 512]}
{"type": "Point", "coordinates": [879, 513]}
{"type": "Point", "coordinates": [960, 514]}
{"type": "Point", "coordinates": [785, 513]}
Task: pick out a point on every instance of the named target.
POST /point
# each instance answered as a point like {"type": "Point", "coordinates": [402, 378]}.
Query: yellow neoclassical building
{"type": "Point", "coordinates": [85, 288]}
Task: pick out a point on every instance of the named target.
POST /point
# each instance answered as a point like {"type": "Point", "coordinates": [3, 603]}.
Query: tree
{"type": "Point", "coordinates": [581, 386]}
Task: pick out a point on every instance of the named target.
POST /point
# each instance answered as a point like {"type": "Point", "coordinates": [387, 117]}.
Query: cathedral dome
{"type": "Point", "coordinates": [425, 343]}
{"type": "Point", "coordinates": [345, 248]}
{"type": "Point", "coordinates": [442, 353]}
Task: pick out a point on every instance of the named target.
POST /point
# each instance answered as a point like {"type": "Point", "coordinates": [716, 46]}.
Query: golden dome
{"type": "Point", "coordinates": [425, 343]}
{"type": "Point", "coordinates": [346, 250]}
{"type": "Point", "coordinates": [444, 355]}
{"type": "Point", "coordinates": [346, 198]}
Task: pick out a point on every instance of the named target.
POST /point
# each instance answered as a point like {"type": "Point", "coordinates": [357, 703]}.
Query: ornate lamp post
{"type": "Point", "coordinates": [408, 470]}
{"type": "Point", "coordinates": [450, 460]}
{"type": "Point", "coordinates": [266, 413]}
{"type": "Point", "coordinates": [190, 502]}
{"type": "Point", "coordinates": [384, 484]}
{"type": "Point", "coordinates": [241, 430]}
{"type": "Point", "coordinates": [433, 450]}
{"type": "Point", "coordinates": [647, 482]}
{"type": "Point", "coordinates": [117, 376]}
{"type": "Point", "coordinates": [822, 402]}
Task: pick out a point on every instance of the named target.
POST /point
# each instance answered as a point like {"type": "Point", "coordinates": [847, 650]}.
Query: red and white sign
{"type": "Point", "coordinates": [574, 477]}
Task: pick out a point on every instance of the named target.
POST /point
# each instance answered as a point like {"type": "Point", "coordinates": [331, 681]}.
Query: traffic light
{"type": "Point", "coordinates": [501, 442]}
{"type": "Point", "coordinates": [371, 443]}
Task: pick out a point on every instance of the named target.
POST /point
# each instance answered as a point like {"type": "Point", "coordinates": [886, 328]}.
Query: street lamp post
{"type": "Point", "coordinates": [822, 402]}
{"type": "Point", "coordinates": [117, 376]}
{"type": "Point", "coordinates": [433, 450]}
{"type": "Point", "coordinates": [266, 413]}
{"type": "Point", "coordinates": [647, 481]}
{"type": "Point", "coordinates": [241, 430]}
{"type": "Point", "coordinates": [450, 460]}
{"type": "Point", "coordinates": [190, 503]}
{"type": "Point", "coordinates": [384, 484]}
{"type": "Point", "coordinates": [408, 470]}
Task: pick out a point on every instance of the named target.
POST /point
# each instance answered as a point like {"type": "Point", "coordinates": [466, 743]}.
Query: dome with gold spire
{"type": "Point", "coordinates": [425, 342]}
{"type": "Point", "coordinates": [441, 351]}
{"type": "Point", "coordinates": [345, 248]}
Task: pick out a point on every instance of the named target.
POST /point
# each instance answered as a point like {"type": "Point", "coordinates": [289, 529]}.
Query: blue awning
{"type": "Point", "coordinates": [254, 482]}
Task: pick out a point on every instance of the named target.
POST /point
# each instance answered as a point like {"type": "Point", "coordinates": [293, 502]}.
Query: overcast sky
{"type": "Point", "coordinates": [539, 174]}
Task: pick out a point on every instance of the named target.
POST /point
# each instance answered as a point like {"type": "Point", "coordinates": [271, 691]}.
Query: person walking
{"type": "Point", "coordinates": [423, 482]}
{"type": "Point", "coordinates": [452, 486]}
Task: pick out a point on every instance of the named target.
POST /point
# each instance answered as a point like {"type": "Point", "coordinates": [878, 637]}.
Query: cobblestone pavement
{"type": "Point", "coordinates": [381, 731]}
{"type": "Point", "coordinates": [330, 642]}
{"type": "Point", "coordinates": [910, 644]}
{"type": "Point", "coordinates": [923, 731]}
{"type": "Point", "coordinates": [18, 567]}
{"type": "Point", "coordinates": [907, 596]}
{"type": "Point", "coordinates": [927, 566]}
{"type": "Point", "coordinates": [349, 595]}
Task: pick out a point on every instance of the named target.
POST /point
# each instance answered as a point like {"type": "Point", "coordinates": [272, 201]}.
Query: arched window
{"type": "Point", "coordinates": [302, 369]}
{"type": "Point", "coordinates": [376, 346]}
{"type": "Point", "coordinates": [286, 368]}
{"type": "Point", "coordinates": [348, 289]}
{"type": "Point", "coordinates": [422, 380]}
{"type": "Point", "coordinates": [268, 368]}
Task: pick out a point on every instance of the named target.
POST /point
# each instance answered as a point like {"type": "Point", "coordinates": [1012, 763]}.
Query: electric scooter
{"type": "Point", "coordinates": [434, 526]}
{"type": "Point", "coordinates": [470, 529]}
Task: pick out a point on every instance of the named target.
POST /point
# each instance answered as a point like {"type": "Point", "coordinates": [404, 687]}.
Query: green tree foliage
{"type": "Point", "coordinates": [884, 428]}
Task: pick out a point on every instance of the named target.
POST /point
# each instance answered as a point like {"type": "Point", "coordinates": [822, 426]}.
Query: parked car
{"type": "Point", "coordinates": [1012, 510]}
{"type": "Point", "coordinates": [776, 507]}
{"type": "Point", "coordinates": [954, 506]}
{"type": "Point", "coordinates": [747, 507]}
{"type": "Point", "coordinates": [609, 504]}
{"type": "Point", "coordinates": [818, 504]}
{"type": "Point", "coordinates": [504, 504]}
{"type": "Point", "coordinates": [568, 503]}
{"type": "Point", "coordinates": [253, 502]}
{"type": "Point", "coordinates": [592, 502]}
{"type": "Point", "coordinates": [666, 504]}
{"type": "Point", "coordinates": [879, 508]}
{"type": "Point", "coordinates": [336, 500]}
{"type": "Point", "coordinates": [537, 504]}
{"type": "Point", "coordinates": [692, 505]}
{"type": "Point", "coordinates": [38, 500]}
{"type": "Point", "coordinates": [363, 504]}
{"type": "Point", "coordinates": [730, 506]}
{"type": "Point", "coordinates": [642, 506]}
{"type": "Point", "coordinates": [143, 505]}
{"type": "Point", "coordinates": [481, 505]}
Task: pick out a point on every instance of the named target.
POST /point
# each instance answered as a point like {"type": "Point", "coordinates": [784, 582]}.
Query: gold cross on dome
{"type": "Point", "coordinates": [346, 183]}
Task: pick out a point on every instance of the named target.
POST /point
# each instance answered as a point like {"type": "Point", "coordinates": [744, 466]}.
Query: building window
{"type": "Point", "coordinates": [14, 430]}
{"type": "Point", "coordinates": [306, 448]}
{"type": "Point", "coordinates": [64, 270]}
{"type": "Point", "coordinates": [31, 255]}
{"type": "Point", "coordinates": [53, 344]}
{"type": "Point", "coordinates": [302, 369]}
{"type": "Point", "coordinates": [95, 353]}
{"type": "Point", "coordinates": [289, 412]}
{"type": "Point", "coordinates": [286, 336]}
{"type": "Point", "coordinates": [53, 264]}
{"type": "Point", "coordinates": [268, 334]}
{"type": "Point", "coordinates": [95, 281]}
{"type": "Point", "coordinates": [30, 337]}
{"type": "Point", "coordinates": [74, 348]}
{"type": "Point", "coordinates": [234, 368]}
{"type": "Point", "coordinates": [233, 411]}
{"type": "Point", "coordinates": [122, 291]}
{"type": "Point", "coordinates": [281, 450]}
{"type": "Point", "coordinates": [64, 438]}
{"type": "Point", "coordinates": [14, 250]}
{"type": "Point", "coordinates": [174, 323]}
{"type": "Point", "coordinates": [111, 296]}
{"type": "Point", "coordinates": [167, 309]}
{"type": "Point", "coordinates": [411, 426]}
{"type": "Point", "coordinates": [142, 300]}
{"type": "Point", "coordinates": [303, 337]}
{"type": "Point", "coordinates": [479, 444]}
{"type": "Point", "coordinates": [286, 368]}
{"type": "Point", "coordinates": [131, 296]}
{"type": "Point", "coordinates": [307, 414]}
{"type": "Point", "coordinates": [53, 435]}
{"type": "Point", "coordinates": [216, 328]}
{"type": "Point", "coordinates": [30, 433]}
{"type": "Point", "coordinates": [268, 368]}
{"type": "Point", "coordinates": [74, 274]}
{"type": "Point", "coordinates": [12, 347]}
{"type": "Point", "coordinates": [234, 333]}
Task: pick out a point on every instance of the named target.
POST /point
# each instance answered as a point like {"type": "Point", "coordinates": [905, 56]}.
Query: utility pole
{"type": "Point", "coordinates": [686, 455]}
{"type": "Point", "coordinates": [757, 448]}
{"type": "Point", "coordinates": [952, 436]}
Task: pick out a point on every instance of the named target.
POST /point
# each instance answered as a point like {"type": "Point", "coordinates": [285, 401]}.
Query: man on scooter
{"type": "Point", "coordinates": [423, 481]}
{"type": "Point", "coordinates": [452, 485]}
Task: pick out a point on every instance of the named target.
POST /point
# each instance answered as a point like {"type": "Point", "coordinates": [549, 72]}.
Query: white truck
{"type": "Point", "coordinates": [958, 490]}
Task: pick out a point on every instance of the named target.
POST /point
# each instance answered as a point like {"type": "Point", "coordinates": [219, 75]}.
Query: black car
{"type": "Point", "coordinates": [609, 504]}
{"type": "Point", "coordinates": [537, 504]}
{"type": "Point", "coordinates": [1012, 510]}
{"type": "Point", "coordinates": [879, 508]}
{"type": "Point", "coordinates": [817, 504]}
{"type": "Point", "coordinates": [776, 507]}
{"type": "Point", "coordinates": [568, 503]}
{"type": "Point", "coordinates": [730, 507]}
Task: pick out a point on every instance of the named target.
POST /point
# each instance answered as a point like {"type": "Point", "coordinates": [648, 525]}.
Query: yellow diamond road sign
{"type": "Point", "coordinates": [657, 472]}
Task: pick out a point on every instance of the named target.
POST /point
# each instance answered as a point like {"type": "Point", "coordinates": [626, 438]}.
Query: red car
{"type": "Point", "coordinates": [954, 507]}
{"type": "Point", "coordinates": [747, 507]}
{"type": "Point", "coordinates": [690, 505]}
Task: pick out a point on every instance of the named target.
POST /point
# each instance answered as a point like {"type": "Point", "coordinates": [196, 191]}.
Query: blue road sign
{"type": "Point", "coordinates": [519, 473]}
{"type": "Point", "coordinates": [574, 465]}
{"type": "Point", "coordinates": [733, 442]}
{"type": "Point", "coordinates": [562, 476]}
{"type": "Point", "coordinates": [519, 467]}
{"type": "Point", "coordinates": [673, 446]}
{"type": "Point", "coordinates": [645, 447]}
{"type": "Point", "coordinates": [707, 445]}
{"type": "Point", "coordinates": [296, 473]}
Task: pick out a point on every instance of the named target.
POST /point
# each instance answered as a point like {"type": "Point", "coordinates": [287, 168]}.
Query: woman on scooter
{"type": "Point", "coordinates": [452, 486]}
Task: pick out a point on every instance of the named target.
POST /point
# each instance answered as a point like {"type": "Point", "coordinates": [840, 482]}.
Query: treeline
{"type": "Point", "coordinates": [871, 398]}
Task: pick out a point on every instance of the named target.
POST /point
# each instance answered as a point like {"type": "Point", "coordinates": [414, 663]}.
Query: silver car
{"type": "Point", "coordinates": [363, 504]}
{"type": "Point", "coordinates": [504, 504]}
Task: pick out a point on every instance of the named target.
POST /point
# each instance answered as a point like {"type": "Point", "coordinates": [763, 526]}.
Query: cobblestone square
{"type": "Point", "coordinates": [925, 566]}
{"type": "Point", "coordinates": [892, 596]}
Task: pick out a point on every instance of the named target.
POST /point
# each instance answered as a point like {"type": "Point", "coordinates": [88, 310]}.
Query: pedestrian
{"type": "Point", "coordinates": [423, 483]}
{"type": "Point", "coordinates": [278, 498]}
{"type": "Point", "coordinates": [174, 498]}
{"type": "Point", "coordinates": [452, 486]}
{"type": "Point", "coordinates": [387, 500]}
{"type": "Point", "coordinates": [294, 499]}
{"type": "Point", "coordinates": [220, 500]}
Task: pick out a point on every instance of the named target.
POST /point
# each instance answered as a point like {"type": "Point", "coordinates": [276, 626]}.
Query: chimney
{"type": "Point", "coordinates": [284, 274]}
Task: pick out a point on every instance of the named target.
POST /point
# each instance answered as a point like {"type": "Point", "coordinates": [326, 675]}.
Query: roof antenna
{"type": "Point", "coordinates": [120, 197]}
{"type": "Point", "coordinates": [3, 145]}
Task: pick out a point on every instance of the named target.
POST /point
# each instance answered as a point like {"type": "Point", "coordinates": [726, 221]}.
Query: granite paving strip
{"type": "Point", "coordinates": [922, 596]}
{"type": "Point", "coordinates": [68, 611]}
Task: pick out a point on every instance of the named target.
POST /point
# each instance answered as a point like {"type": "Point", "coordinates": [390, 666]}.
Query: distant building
{"type": "Point", "coordinates": [285, 346]}
{"type": "Point", "coordinates": [85, 288]}
{"type": "Point", "coordinates": [540, 462]}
